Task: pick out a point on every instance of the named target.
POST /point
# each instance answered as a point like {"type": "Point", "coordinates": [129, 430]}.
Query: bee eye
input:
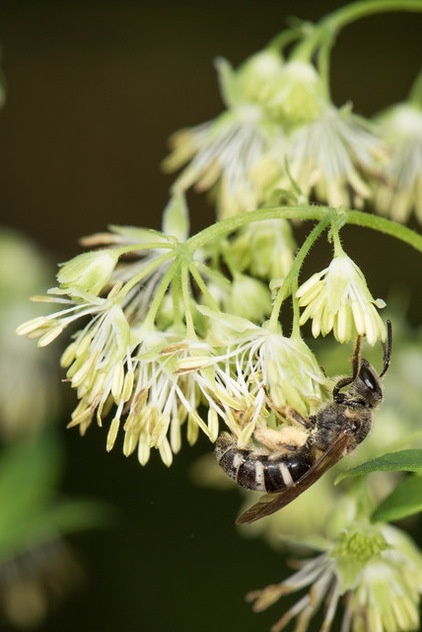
{"type": "Point", "coordinates": [367, 378]}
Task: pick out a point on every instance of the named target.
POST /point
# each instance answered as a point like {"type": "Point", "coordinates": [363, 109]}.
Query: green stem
{"type": "Point", "coordinates": [285, 37]}
{"type": "Point", "coordinates": [357, 10]}
{"type": "Point", "coordinates": [331, 24]}
{"type": "Point", "coordinates": [386, 226]}
{"type": "Point", "coordinates": [290, 283]}
{"type": "Point", "coordinates": [186, 294]}
{"type": "Point", "coordinates": [144, 272]}
{"type": "Point", "coordinates": [203, 286]}
{"type": "Point", "coordinates": [160, 293]}
{"type": "Point", "coordinates": [306, 213]}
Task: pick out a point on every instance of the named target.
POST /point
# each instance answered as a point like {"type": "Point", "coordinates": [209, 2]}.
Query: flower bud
{"type": "Point", "coordinates": [89, 272]}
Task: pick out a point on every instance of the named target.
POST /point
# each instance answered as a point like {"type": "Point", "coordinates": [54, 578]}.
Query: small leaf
{"type": "Point", "coordinates": [404, 460]}
{"type": "Point", "coordinates": [405, 500]}
{"type": "Point", "coordinates": [62, 517]}
{"type": "Point", "coordinates": [28, 475]}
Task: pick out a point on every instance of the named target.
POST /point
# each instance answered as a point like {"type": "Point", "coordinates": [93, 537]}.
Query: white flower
{"type": "Point", "coordinates": [376, 568]}
{"type": "Point", "coordinates": [333, 156]}
{"type": "Point", "coordinates": [400, 190]}
{"type": "Point", "coordinates": [224, 152]}
{"type": "Point", "coordinates": [268, 362]}
{"type": "Point", "coordinates": [338, 299]}
{"type": "Point", "coordinates": [266, 248]}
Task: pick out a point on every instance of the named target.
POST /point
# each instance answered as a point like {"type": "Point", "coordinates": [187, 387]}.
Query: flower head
{"type": "Point", "coordinates": [376, 568]}
{"type": "Point", "coordinates": [333, 156]}
{"type": "Point", "coordinates": [224, 152]}
{"type": "Point", "coordinates": [283, 368]}
{"type": "Point", "coordinates": [265, 248]}
{"type": "Point", "coordinates": [400, 190]}
{"type": "Point", "coordinates": [338, 299]}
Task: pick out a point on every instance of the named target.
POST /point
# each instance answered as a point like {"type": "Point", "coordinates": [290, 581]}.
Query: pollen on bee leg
{"type": "Point", "coordinates": [285, 439]}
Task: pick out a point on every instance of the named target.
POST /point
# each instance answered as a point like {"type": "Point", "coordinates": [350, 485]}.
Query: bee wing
{"type": "Point", "coordinates": [270, 503]}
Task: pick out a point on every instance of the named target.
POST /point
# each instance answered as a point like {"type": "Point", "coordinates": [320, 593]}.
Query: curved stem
{"type": "Point", "coordinates": [285, 37]}
{"type": "Point", "coordinates": [386, 226]}
{"type": "Point", "coordinates": [157, 261]}
{"type": "Point", "coordinates": [357, 10]}
{"type": "Point", "coordinates": [306, 213]}
{"type": "Point", "coordinates": [159, 294]}
{"type": "Point", "coordinates": [290, 283]}
{"type": "Point", "coordinates": [203, 286]}
{"type": "Point", "coordinates": [332, 24]}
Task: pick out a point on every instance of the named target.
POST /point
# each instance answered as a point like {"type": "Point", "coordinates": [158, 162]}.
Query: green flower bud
{"type": "Point", "coordinates": [89, 272]}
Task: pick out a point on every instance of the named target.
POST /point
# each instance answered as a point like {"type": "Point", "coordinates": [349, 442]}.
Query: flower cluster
{"type": "Point", "coordinates": [400, 190]}
{"type": "Point", "coordinates": [174, 335]}
{"type": "Point", "coordinates": [376, 570]}
{"type": "Point", "coordinates": [278, 113]}
{"type": "Point", "coordinates": [166, 331]}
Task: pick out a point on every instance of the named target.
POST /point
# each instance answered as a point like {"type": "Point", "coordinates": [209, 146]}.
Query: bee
{"type": "Point", "coordinates": [301, 455]}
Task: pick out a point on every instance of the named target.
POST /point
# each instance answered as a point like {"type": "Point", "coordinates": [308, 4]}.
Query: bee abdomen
{"type": "Point", "coordinates": [259, 472]}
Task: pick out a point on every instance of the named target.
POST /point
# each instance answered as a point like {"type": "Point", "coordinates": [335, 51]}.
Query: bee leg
{"type": "Point", "coordinates": [292, 415]}
{"type": "Point", "coordinates": [345, 381]}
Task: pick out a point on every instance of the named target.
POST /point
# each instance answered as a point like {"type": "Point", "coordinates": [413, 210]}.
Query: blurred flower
{"type": "Point", "coordinates": [223, 152]}
{"type": "Point", "coordinates": [265, 98]}
{"type": "Point", "coordinates": [338, 299]}
{"type": "Point", "coordinates": [28, 395]}
{"type": "Point", "coordinates": [333, 156]}
{"type": "Point", "coordinates": [376, 568]}
{"type": "Point", "coordinates": [265, 248]}
{"type": "Point", "coordinates": [35, 581]}
{"type": "Point", "coordinates": [401, 189]}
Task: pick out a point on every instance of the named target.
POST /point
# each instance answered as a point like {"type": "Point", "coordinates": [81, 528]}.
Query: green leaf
{"type": "Point", "coordinates": [28, 476]}
{"type": "Point", "coordinates": [404, 460]}
{"type": "Point", "coordinates": [405, 500]}
{"type": "Point", "coordinates": [61, 517]}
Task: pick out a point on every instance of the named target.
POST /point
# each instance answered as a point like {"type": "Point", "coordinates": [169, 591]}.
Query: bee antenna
{"type": "Point", "coordinates": [387, 348]}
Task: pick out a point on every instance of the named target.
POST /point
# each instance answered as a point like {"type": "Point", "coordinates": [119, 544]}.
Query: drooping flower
{"type": "Point", "coordinates": [265, 248]}
{"type": "Point", "coordinates": [338, 299]}
{"type": "Point", "coordinates": [333, 157]}
{"type": "Point", "coordinates": [400, 191]}
{"type": "Point", "coordinates": [222, 153]}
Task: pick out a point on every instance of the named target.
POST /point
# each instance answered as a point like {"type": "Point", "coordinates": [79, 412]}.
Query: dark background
{"type": "Point", "coordinates": [94, 91]}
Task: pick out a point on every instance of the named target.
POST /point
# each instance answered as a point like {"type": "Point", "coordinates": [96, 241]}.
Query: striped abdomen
{"type": "Point", "coordinates": [259, 472]}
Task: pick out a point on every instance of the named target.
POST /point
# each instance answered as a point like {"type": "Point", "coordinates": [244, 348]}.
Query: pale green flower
{"type": "Point", "coordinates": [337, 299]}
{"type": "Point", "coordinates": [333, 156]}
{"type": "Point", "coordinates": [249, 298]}
{"type": "Point", "coordinates": [265, 360]}
{"type": "Point", "coordinates": [223, 153]}
{"type": "Point", "coordinates": [299, 98]}
{"type": "Point", "coordinates": [265, 248]}
{"type": "Point", "coordinates": [28, 388]}
{"type": "Point", "coordinates": [375, 569]}
{"type": "Point", "coordinates": [400, 190]}
{"type": "Point", "coordinates": [88, 272]}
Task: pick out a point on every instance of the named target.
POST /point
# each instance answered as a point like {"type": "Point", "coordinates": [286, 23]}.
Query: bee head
{"type": "Point", "coordinates": [366, 389]}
